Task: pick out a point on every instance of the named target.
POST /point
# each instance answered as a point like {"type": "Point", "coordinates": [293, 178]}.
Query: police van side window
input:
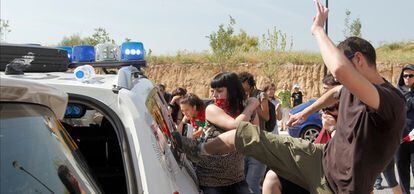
{"type": "Point", "coordinates": [36, 154]}
{"type": "Point", "coordinates": [162, 121]}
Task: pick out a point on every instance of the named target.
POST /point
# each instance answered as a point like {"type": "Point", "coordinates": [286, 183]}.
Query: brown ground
{"type": "Point", "coordinates": [196, 77]}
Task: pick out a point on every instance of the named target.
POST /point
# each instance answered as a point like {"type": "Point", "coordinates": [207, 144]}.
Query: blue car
{"type": "Point", "coordinates": [310, 128]}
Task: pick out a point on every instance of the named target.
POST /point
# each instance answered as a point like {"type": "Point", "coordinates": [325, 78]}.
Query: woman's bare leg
{"type": "Point", "coordinates": [271, 183]}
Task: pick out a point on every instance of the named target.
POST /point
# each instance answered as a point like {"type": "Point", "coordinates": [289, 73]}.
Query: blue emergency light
{"type": "Point", "coordinates": [68, 49]}
{"type": "Point", "coordinates": [132, 51]}
{"type": "Point", "coordinates": [83, 53]}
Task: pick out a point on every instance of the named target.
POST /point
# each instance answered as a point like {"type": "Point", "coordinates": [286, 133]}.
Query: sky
{"type": "Point", "coordinates": [167, 26]}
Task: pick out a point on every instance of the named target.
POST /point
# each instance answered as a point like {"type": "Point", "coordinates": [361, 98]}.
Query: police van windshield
{"type": "Point", "coordinates": [37, 155]}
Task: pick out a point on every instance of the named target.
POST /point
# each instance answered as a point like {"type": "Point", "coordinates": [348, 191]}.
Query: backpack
{"type": "Point", "coordinates": [271, 123]}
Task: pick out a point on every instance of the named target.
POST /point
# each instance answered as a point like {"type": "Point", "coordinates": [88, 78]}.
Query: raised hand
{"type": "Point", "coordinates": [321, 16]}
{"type": "Point", "coordinates": [328, 121]}
{"type": "Point", "coordinates": [297, 119]}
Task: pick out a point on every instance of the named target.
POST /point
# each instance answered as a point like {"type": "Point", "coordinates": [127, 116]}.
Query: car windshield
{"type": "Point", "coordinates": [37, 155]}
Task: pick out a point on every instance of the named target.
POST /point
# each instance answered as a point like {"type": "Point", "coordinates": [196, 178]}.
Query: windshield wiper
{"type": "Point", "coordinates": [19, 167]}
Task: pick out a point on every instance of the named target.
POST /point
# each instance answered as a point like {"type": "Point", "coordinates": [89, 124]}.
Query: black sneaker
{"type": "Point", "coordinates": [378, 186]}
{"type": "Point", "coordinates": [190, 147]}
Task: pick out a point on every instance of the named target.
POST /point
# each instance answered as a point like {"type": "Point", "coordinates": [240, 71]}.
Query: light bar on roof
{"type": "Point", "coordinates": [68, 49]}
{"type": "Point", "coordinates": [106, 52]}
{"type": "Point", "coordinates": [132, 51]}
{"type": "Point", "coordinates": [83, 53]}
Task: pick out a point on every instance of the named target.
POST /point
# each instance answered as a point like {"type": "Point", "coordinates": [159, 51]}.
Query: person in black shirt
{"type": "Point", "coordinates": [405, 153]}
{"type": "Point", "coordinates": [297, 95]}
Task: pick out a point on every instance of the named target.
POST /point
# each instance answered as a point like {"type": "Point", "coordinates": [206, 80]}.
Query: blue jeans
{"type": "Point", "coordinates": [240, 187]}
{"type": "Point", "coordinates": [254, 171]}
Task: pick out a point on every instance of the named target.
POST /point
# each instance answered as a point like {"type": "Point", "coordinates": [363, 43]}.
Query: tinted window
{"type": "Point", "coordinates": [37, 156]}
{"type": "Point", "coordinates": [162, 124]}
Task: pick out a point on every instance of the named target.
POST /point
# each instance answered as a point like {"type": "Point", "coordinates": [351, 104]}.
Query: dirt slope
{"type": "Point", "coordinates": [196, 77]}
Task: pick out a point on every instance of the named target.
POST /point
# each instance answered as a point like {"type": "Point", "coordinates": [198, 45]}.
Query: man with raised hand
{"type": "Point", "coordinates": [369, 125]}
{"type": "Point", "coordinates": [370, 118]}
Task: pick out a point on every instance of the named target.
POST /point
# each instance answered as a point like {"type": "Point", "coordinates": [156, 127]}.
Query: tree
{"type": "Point", "coordinates": [352, 28]}
{"type": "Point", "coordinates": [72, 40]}
{"type": "Point", "coordinates": [270, 40]}
{"type": "Point", "coordinates": [225, 43]}
{"type": "Point", "coordinates": [100, 36]}
{"type": "Point", "coordinates": [244, 42]}
{"type": "Point", "coordinates": [4, 29]}
{"type": "Point", "coordinates": [221, 42]}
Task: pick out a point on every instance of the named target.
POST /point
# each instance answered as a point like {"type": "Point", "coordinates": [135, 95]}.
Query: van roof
{"type": "Point", "coordinates": [21, 90]}
{"type": "Point", "coordinates": [64, 78]}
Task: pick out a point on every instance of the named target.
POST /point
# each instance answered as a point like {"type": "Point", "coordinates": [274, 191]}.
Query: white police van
{"type": "Point", "coordinates": [37, 154]}
{"type": "Point", "coordinates": [121, 126]}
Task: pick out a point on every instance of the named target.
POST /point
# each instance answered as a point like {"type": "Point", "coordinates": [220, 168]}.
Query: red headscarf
{"type": "Point", "coordinates": [223, 104]}
{"type": "Point", "coordinates": [199, 120]}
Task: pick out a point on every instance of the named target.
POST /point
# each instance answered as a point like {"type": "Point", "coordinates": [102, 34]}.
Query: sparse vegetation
{"type": "Point", "coordinates": [270, 40]}
{"type": "Point", "coordinates": [352, 28]}
{"type": "Point", "coordinates": [254, 57]}
{"type": "Point", "coordinates": [229, 48]}
{"type": "Point", "coordinates": [401, 52]}
{"type": "Point", "coordinates": [4, 29]}
{"type": "Point", "coordinates": [99, 36]}
{"type": "Point", "coordinates": [397, 52]}
{"type": "Point", "coordinates": [272, 49]}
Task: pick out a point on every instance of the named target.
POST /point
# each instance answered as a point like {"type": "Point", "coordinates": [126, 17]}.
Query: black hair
{"type": "Point", "coordinates": [330, 80]}
{"type": "Point", "coordinates": [235, 92]}
{"type": "Point", "coordinates": [354, 44]}
{"type": "Point", "coordinates": [193, 100]}
{"type": "Point", "coordinates": [179, 92]}
{"type": "Point", "coordinates": [246, 76]}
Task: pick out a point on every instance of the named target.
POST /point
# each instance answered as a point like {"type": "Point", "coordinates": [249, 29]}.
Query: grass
{"type": "Point", "coordinates": [400, 52]}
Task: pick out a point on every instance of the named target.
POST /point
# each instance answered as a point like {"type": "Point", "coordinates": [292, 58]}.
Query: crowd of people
{"type": "Point", "coordinates": [233, 140]}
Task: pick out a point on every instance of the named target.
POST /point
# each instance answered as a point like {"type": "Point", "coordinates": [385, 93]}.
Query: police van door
{"type": "Point", "coordinates": [148, 124]}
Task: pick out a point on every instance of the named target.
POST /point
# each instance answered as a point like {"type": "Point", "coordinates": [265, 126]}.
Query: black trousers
{"type": "Point", "coordinates": [405, 157]}
{"type": "Point", "coordinates": [389, 174]}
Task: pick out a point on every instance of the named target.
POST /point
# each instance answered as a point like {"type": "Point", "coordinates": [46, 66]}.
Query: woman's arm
{"type": "Point", "coordinates": [181, 125]}
{"type": "Point", "coordinates": [263, 111]}
{"type": "Point", "coordinates": [220, 118]}
{"type": "Point", "coordinates": [278, 112]}
{"type": "Point", "coordinates": [198, 133]}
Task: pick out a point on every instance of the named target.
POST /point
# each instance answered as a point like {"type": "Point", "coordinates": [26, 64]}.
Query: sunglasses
{"type": "Point", "coordinates": [350, 56]}
{"type": "Point", "coordinates": [408, 75]}
{"type": "Point", "coordinates": [329, 109]}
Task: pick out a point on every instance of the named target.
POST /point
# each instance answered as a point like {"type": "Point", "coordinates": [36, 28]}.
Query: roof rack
{"type": "Point", "coordinates": [46, 59]}
{"type": "Point", "coordinates": [114, 64]}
